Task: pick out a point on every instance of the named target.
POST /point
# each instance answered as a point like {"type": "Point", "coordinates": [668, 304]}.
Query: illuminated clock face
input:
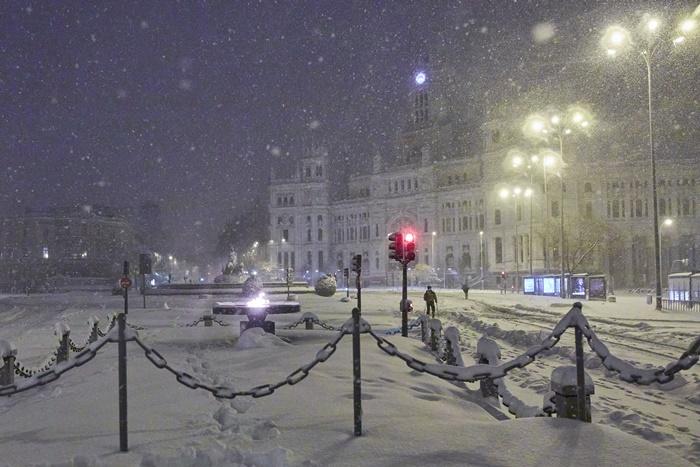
{"type": "Point", "coordinates": [420, 77]}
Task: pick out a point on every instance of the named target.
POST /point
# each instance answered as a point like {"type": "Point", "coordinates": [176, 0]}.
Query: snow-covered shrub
{"type": "Point", "coordinates": [252, 286]}
{"type": "Point", "coordinates": [325, 286]}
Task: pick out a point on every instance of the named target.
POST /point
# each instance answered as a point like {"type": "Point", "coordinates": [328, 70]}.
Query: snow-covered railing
{"type": "Point", "coordinates": [571, 386]}
{"type": "Point", "coordinates": [573, 319]}
{"type": "Point", "coordinates": [487, 351]}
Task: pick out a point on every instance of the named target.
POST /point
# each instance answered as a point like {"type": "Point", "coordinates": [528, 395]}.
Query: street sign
{"type": "Point", "coordinates": [125, 282]}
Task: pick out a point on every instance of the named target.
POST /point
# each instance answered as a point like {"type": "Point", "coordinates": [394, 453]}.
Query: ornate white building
{"type": "Point", "coordinates": [450, 198]}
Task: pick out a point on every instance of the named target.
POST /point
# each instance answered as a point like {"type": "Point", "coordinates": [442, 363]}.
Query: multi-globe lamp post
{"type": "Point", "coordinates": [647, 40]}
{"type": "Point", "coordinates": [554, 126]}
{"type": "Point", "coordinates": [516, 193]}
{"type": "Point", "coordinates": [668, 223]}
{"type": "Point", "coordinates": [481, 257]}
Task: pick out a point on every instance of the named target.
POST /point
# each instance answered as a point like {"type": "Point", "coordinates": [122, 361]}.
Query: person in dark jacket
{"type": "Point", "coordinates": [430, 300]}
{"type": "Point", "coordinates": [465, 289]}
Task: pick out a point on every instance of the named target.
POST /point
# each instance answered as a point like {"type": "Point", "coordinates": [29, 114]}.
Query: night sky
{"type": "Point", "coordinates": [188, 104]}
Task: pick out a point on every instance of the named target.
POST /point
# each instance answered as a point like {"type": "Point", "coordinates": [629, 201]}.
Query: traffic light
{"type": "Point", "coordinates": [396, 246]}
{"type": "Point", "coordinates": [409, 247]}
{"type": "Point", "coordinates": [357, 264]}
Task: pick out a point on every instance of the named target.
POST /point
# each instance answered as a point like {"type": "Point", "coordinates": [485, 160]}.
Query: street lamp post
{"type": "Point", "coordinates": [617, 39]}
{"type": "Point", "coordinates": [556, 127]}
{"type": "Point", "coordinates": [481, 257]}
{"type": "Point", "coordinates": [432, 248]}
{"type": "Point", "coordinates": [516, 193]}
{"type": "Point", "coordinates": [668, 222]}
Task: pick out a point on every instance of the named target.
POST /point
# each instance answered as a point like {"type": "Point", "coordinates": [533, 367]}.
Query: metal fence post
{"type": "Point", "coordinates": [63, 352]}
{"type": "Point", "coordinates": [94, 328]}
{"type": "Point", "coordinates": [356, 373]}
{"type": "Point", "coordinates": [123, 433]}
{"type": "Point", "coordinates": [8, 353]}
{"type": "Point", "coordinates": [580, 376]}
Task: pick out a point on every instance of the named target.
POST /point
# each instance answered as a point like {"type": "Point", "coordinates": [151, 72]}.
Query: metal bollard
{"type": "Point", "coordinates": [94, 328]}
{"type": "Point", "coordinates": [488, 353]}
{"type": "Point", "coordinates": [309, 323]}
{"type": "Point", "coordinates": [207, 321]}
{"type": "Point", "coordinates": [8, 353]}
{"type": "Point", "coordinates": [62, 330]}
{"type": "Point", "coordinates": [565, 387]}
{"type": "Point", "coordinates": [450, 358]}
{"type": "Point", "coordinates": [435, 331]}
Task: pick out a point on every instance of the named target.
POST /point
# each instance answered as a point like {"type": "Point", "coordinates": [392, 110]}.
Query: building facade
{"type": "Point", "coordinates": [450, 199]}
{"type": "Point", "coordinates": [74, 241]}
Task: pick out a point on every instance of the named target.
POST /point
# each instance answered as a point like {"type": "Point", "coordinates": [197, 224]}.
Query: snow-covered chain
{"type": "Point", "coordinates": [54, 372]}
{"type": "Point", "coordinates": [310, 317]}
{"type": "Point", "coordinates": [573, 319]}
{"type": "Point", "coordinates": [227, 392]}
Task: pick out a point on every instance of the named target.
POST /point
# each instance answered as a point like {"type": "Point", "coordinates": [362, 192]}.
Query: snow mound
{"type": "Point", "coordinates": [254, 338]}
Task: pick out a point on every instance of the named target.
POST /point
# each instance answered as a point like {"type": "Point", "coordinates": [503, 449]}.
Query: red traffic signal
{"type": "Point", "coordinates": [409, 247]}
{"type": "Point", "coordinates": [396, 246]}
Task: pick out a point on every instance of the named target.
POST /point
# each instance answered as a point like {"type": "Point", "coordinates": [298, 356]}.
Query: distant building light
{"type": "Point", "coordinates": [420, 78]}
{"type": "Point", "coordinates": [45, 252]}
{"type": "Point", "coordinates": [83, 254]}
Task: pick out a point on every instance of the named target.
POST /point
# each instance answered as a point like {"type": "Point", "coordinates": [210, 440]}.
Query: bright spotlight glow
{"type": "Point", "coordinates": [535, 159]}
{"type": "Point", "coordinates": [688, 25]}
{"type": "Point", "coordinates": [517, 190]}
{"type": "Point", "coordinates": [517, 161]}
{"type": "Point", "coordinates": [420, 77]}
{"type": "Point", "coordinates": [668, 222]}
{"type": "Point", "coordinates": [678, 40]}
{"type": "Point", "coordinates": [577, 117]}
{"type": "Point", "coordinates": [548, 161]}
{"type": "Point", "coordinates": [555, 120]}
{"type": "Point", "coordinates": [434, 234]}
{"type": "Point", "coordinates": [528, 192]}
{"type": "Point", "coordinates": [409, 237]}
{"type": "Point", "coordinates": [504, 193]}
{"type": "Point", "coordinates": [585, 124]}
{"type": "Point", "coordinates": [567, 131]}
{"type": "Point", "coordinates": [258, 302]}
{"type": "Point", "coordinates": [537, 126]}
{"type": "Point", "coordinates": [611, 52]}
{"type": "Point", "coordinates": [653, 24]}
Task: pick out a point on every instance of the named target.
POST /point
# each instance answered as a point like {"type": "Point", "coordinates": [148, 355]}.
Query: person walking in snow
{"type": "Point", "coordinates": [465, 289]}
{"type": "Point", "coordinates": [430, 300]}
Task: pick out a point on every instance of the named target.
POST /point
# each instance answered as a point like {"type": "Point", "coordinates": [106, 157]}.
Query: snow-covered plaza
{"type": "Point", "coordinates": [409, 418]}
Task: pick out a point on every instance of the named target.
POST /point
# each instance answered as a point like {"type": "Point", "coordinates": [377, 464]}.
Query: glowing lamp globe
{"type": "Point", "coordinates": [420, 78]}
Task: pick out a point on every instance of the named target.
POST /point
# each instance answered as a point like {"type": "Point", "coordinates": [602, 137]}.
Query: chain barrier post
{"type": "Point", "coordinates": [8, 353]}
{"type": "Point", "coordinates": [404, 299]}
{"type": "Point", "coordinates": [309, 323]}
{"type": "Point", "coordinates": [64, 342]}
{"type": "Point", "coordinates": [356, 372]}
{"type": "Point", "coordinates": [125, 283]}
{"type": "Point", "coordinates": [580, 376]}
{"type": "Point", "coordinates": [94, 330]}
